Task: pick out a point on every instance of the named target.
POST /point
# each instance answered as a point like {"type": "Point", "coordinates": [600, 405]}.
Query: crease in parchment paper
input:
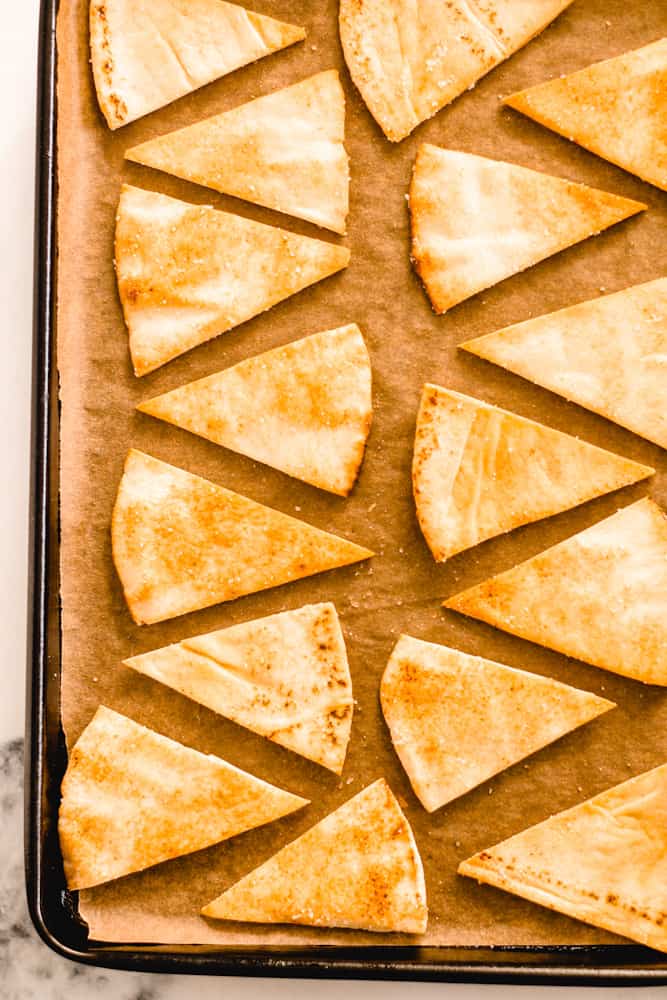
{"type": "Point", "coordinates": [401, 589]}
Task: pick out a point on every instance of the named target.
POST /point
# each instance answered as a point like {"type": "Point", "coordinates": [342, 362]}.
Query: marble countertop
{"type": "Point", "coordinates": [28, 970]}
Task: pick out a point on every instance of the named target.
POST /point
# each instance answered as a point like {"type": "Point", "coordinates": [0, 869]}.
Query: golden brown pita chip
{"type": "Point", "coordinates": [182, 543]}
{"type": "Point", "coordinates": [187, 273]}
{"type": "Point", "coordinates": [600, 595]}
{"type": "Point", "coordinates": [608, 354]}
{"type": "Point", "coordinates": [479, 471]}
{"type": "Point", "coordinates": [285, 677]}
{"type": "Point", "coordinates": [146, 55]}
{"type": "Point", "coordinates": [477, 221]}
{"type": "Point", "coordinates": [359, 868]}
{"type": "Point", "coordinates": [410, 59]}
{"type": "Point", "coordinates": [616, 108]}
{"type": "Point", "coordinates": [603, 861]}
{"type": "Point", "coordinates": [284, 151]}
{"type": "Point", "coordinates": [304, 408]}
{"type": "Point", "coordinates": [132, 798]}
{"type": "Point", "coordinates": [457, 720]}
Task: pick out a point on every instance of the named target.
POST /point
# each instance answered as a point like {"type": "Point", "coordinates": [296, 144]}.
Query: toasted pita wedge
{"type": "Point", "coordinates": [602, 106]}
{"type": "Point", "coordinates": [187, 273]}
{"type": "Point", "coordinates": [600, 595]}
{"type": "Point", "coordinates": [457, 720]}
{"type": "Point", "coordinates": [603, 861]}
{"type": "Point", "coordinates": [608, 354]}
{"type": "Point", "coordinates": [477, 221]}
{"type": "Point", "coordinates": [146, 55]}
{"type": "Point", "coordinates": [314, 399]}
{"type": "Point", "coordinates": [182, 543]}
{"type": "Point", "coordinates": [132, 798]}
{"type": "Point", "coordinates": [411, 59]}
{"type": "Point", "coordinates": [285, 677]}
{"type": "Point", "coordinates": [359, 868]}
{"type": "Point", "coordinates": [479, 471]}
{"type": "Point", "coordinates": [284, 151]}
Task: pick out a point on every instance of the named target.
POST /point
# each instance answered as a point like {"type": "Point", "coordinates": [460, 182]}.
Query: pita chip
{"type": "Point", "coordinates": [358, 868]}
{"type": "Point", "coordinates": [477, 221]}
{"type": "Point", "coordinates": [457, 720]}
{"type": "Point", "coordinates": [285, 677]}
{"type": "Point", "coordinates": [182, 543]}
{"type": "Point", "coordinates": [283, 151]}
{"type": "Point", "coordinates": [146, 55]}
{"type": "Point", "coordinates": [603, 861]}
{"type": "Point", "coordinates": [616, 108]}
{"type": "Point", "coordinates": [409, 60]}
{"type": "Point", "coordinates": [314, 399]}
{"type": "Point", "coordinates": [187, 273]}
{"type": "Point", "coordinates": [479, 471]}
{"type": "Point", "coordinates": [608, 354]}
{"type": "Point", "coordinates": [600, 596]}
{"type": "Point", "coordinates": [132, 798]}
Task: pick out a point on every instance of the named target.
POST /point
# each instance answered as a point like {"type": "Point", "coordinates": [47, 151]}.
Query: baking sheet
{"type": "Point", "coordinates": [401, 589]}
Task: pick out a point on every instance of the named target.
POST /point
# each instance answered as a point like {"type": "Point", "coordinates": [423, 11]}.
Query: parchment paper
{"type": "Point", "coordinates": [401, 589]}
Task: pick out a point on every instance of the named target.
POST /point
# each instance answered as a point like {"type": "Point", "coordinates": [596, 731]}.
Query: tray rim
{"type": "Point", "coordinates": [54, 918]}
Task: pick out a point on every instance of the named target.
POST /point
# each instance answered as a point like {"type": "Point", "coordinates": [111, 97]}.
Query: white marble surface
{"type": "Point", "coordinates": [28, 970]}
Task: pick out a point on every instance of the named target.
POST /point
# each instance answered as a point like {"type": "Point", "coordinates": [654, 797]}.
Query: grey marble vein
{"type": "Point", "coordinates": [30, 971]}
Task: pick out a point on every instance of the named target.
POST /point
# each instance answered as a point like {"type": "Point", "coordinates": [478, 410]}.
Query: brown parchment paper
{"type": "Point", "coordinates": [401, 589]}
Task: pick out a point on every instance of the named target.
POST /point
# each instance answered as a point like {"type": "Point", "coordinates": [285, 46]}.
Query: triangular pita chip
{"type": "Point", "coordinates": [477, 221]}
{"type": "Point", "coordinates": [410, 59]}
{"type": "Point", "coordinates": [187, 273]}
{"type": "Point", "coordinates": [132, 798]}
{"type": "Point", "coordinates": [616, 108]}
{"type": "Point", "coordinates": [182, 543]}
{"type": "Point", "coordinates": [285, 677]}
{"type": "Point", "coordinates": [146, 55]}
{"type": "Point", "coordinates": [284, 151]}
{"type": "Point", "coordinates": [457, 720]}
{"type": "Point", "coordinates": [358, 868]}
{"type": "Point", "coordinates": [600, 595]}
{"type": "Point", "coordinates": [608, 354]}
{"type": "Point", "coordinates": [603, 861]}
{"type": "Point", "coordinates": [305, 408]}
{"type": "Point", "coordinates": [479, 471]}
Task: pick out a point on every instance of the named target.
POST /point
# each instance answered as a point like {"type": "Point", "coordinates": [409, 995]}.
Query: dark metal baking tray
{"type": "Point", "coordinates": [52, 908]}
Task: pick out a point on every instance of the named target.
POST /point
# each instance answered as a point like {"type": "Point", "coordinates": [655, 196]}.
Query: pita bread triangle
{"type": "Point", "coordinates": [132, 798]}
{"type": "Point", "coordinates": [602, 861]}
{"type": "Point", "coordinates": [607, 354]}
{"type": "Point", "coordinates": [285, 677]}
{"type": "Point", "coordinates": [146, 55]}
{"type": "Point", "coordinates": [182, 543]}
{"type": "Point", "coordinates": [283, 151]}
{"type": "Point", "coordinates": [314, 398]}
{"type": "Point", "coordinates": [600, 106]}
{"type": "Point", "coordinates": [187, 273]}
{"type": "Point", "coordinates": [457, 720]}
{"type": "Point", "coordinates": [600, 595]}
{"type": "Point", "coordinates": [477, 221]}
{"type": "Point", "coordinates": [358, 868]}
{"type": "Point", "coordinates": [479, 471]}
{"type": "Point", "coordinates": [410, 60]}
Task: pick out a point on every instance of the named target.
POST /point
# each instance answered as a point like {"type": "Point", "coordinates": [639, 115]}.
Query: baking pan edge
{"type": "Point", "coordinates": [51, 909]}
